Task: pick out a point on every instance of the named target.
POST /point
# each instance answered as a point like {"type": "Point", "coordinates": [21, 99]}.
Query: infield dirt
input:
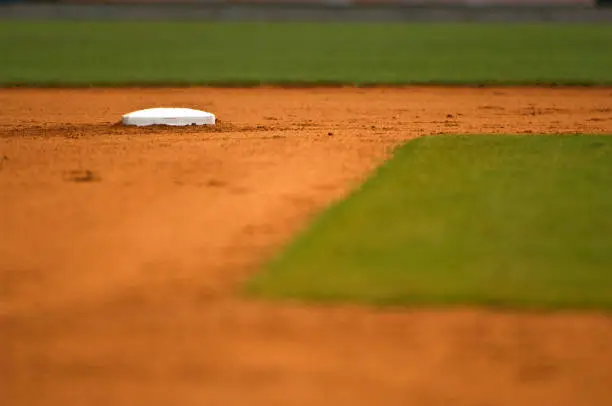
{"type": "Point", "coordinates": [121, 251]}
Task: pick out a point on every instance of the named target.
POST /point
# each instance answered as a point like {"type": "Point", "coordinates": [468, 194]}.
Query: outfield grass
{"type": "Point", "coordinates": [112, 53]}
{"type": "Point", "coordinates": [503, 220]}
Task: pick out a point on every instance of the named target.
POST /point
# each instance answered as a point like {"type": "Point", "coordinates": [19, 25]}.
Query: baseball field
{"type": "Point", "coordinates": [383, 215]}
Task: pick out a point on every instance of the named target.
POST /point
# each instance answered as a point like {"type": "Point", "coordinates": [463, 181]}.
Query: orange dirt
{"type": "Point", "coordinates": [121, 251]}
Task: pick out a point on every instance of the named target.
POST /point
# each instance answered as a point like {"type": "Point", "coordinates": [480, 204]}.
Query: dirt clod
{"type": "Point", "coordinates": [82, 176]}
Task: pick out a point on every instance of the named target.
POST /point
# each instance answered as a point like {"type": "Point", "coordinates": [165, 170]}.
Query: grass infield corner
{"type": "Point", "coordinates": [517, 221]}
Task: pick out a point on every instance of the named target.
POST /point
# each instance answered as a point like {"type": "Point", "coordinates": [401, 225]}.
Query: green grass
{"type": "Point", "coordinates": [494, 220]}
{"type": "Point", "coordinates": [153, 53]}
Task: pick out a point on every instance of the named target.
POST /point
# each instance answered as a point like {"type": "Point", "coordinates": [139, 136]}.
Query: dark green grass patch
{"type": "Point", "coordinates": [155, 53]}
{"type": "Point", "coordinates": [500, 220]}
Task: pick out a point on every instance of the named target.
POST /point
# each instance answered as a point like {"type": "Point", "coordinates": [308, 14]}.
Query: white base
{"type": "Point", "coordinates": [168, 116]}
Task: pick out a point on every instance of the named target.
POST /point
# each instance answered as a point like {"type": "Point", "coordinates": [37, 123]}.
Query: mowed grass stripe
{"type": "Point", "coordinates": [493, 220]}
{"type": "Point", "coordinates": [158, 53]}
